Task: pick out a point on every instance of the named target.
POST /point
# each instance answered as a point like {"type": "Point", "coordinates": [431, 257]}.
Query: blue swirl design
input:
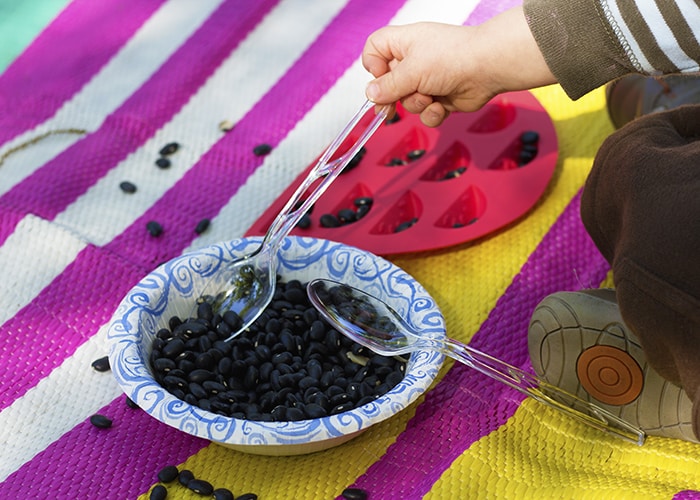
{"type": "Point", "coordinates": [170, 290]}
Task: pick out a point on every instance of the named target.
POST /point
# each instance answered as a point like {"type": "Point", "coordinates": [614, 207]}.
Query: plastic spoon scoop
{"type": "Point", "coordinates": [374, 324]}
{"type": "Point", "coordinates": [252, 278]}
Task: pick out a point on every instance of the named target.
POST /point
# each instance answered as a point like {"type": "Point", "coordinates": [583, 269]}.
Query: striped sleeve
{"type": "Point", "coordinates": [590, 42]}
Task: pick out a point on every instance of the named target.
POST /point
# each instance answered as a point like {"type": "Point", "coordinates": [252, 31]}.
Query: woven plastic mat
{"type": "Point", "coordinates": [89, 104]}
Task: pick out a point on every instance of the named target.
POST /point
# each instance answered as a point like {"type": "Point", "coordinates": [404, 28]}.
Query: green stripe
{"type": "Point", "coordinates": [20, 22]}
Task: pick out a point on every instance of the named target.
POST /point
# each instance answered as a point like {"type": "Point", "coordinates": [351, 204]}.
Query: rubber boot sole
{"type": "Point", "coordinates": [578, 342]}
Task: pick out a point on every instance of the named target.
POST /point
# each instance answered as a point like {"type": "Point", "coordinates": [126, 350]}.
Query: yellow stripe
{"type": "Point", "coordinates": [539, 453]}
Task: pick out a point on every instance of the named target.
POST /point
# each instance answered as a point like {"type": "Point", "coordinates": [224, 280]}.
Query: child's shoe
{"type": "Point", "coordinates": [578, 342]}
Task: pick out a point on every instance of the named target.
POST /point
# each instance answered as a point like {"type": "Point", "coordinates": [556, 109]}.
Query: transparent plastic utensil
{"type": "Point", "coordinates": [374, 324]}
{"type": "Point", "coordinates": [252, 278]}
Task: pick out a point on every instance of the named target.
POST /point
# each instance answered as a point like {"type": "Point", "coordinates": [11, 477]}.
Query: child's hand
{"type": "Point", "coordinates": [434, 68]}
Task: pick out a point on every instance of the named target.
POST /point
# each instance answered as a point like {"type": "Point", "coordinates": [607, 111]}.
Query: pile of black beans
{"type": "Point", "coordinates": [289, 365]}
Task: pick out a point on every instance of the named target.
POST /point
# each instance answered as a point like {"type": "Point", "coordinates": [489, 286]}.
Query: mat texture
{"type": "Point", "coordinates": [89, 103]}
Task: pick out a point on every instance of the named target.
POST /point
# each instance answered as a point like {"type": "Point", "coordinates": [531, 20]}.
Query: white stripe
{"type": "Point", "coordinates": [620, 28]}
{"type": "Point", "coordinates": [663, 34]}
{"type": "Point", "coordinates": [104, 212]}
{"type": "Point", "coordinates": [303, 144]}
{"type": "Point", "coordinates": [314, 132]}
{"type": "Point", "coordinates": [68, 396]}
{"type": "Point", "coordinates": [691, 12]}
{"type": "Point", "coordinates": [133, 65]}
{"type": "Point", "coordinates": [34, 254]}
{"type": "Point", "coordinates": [659, 30]}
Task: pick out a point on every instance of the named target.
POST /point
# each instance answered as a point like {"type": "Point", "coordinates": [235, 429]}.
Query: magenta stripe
{"type": "Point", "coordinates": [49, 190]}
{"type": "Point", "coordinates": [687, 495]}
{"type": "Point", "coordinates": [270, 120]}
{"type": "Point", "coordinates": [120, 462]}
{"type": "Point", "coordinates": [61, 318]}
{"type": "Point", "coordinates": [34, 87]}
{"type": "Point", "coordinates": [465, 405]}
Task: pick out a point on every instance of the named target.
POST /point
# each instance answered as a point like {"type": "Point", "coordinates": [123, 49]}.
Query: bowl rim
{"type": "Point", "coordinates": [133, 325]}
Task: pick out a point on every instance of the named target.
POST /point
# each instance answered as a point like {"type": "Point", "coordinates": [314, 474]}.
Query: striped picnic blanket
{"type": "Point", "coordinates": [89, 104]}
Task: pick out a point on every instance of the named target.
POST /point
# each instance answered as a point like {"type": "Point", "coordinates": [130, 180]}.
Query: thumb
{"type": "Point", "coordinates": [392, 86]}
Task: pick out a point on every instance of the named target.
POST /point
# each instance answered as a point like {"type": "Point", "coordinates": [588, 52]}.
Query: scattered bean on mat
{"type": "Point", "coordinates": [354, 494]}
{"type": "Point", "coordinates": [154, 228]}
{"type": "Point", "coordinates": [223, 494]}
{"type": "Point", "coordinates": [202, 226]}
{"type": "Point", "coordinates": [100, 421]}
{"type": "Point", "coordinates": [201, 487]}
{"type": "Point", "coordinates": [262, 149]}
{"type": "Point", "coordinates": [163, 163]}
{"type": "Point", "coordinates": [159, 492]}
{"type": "Point", "coordinates": [169, 149]}
{"type": "Point", "coordinates": [101, 364]}
{"type": "Point", "coordinates": [185, 477]}
{"type": "Point", "coordinates": [127, 187]}
{"type": "Point", "coordinates": [168, 474]}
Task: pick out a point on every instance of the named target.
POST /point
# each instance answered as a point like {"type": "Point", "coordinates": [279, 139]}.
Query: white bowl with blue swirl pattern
{"type": "Point", "coordinates": [172, 289]}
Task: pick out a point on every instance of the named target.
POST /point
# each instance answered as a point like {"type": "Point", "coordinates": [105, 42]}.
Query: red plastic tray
{"type": "Point", "coordinates": [434, 201]}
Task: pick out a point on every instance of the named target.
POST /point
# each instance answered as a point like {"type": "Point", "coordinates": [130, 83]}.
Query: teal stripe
{"type": "Point", "coordinates": [21, 22]}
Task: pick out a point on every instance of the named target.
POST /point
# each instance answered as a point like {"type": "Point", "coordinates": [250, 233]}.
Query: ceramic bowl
{"type": "Point", "coordinates": [173, 288]}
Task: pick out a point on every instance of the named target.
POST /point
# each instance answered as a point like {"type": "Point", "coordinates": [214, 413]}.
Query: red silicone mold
{"type": "Point", "coordinates": [433, 188]}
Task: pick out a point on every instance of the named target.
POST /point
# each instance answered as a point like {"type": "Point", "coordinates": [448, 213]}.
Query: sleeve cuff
{"type": "Point", "coordinates": [577, 44]}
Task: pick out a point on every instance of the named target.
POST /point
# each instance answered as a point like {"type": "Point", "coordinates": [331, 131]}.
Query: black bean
{"type": "Point", "coordinates": [205, 361]}
{"type": "Point", "coordinates": [131, 403]}
{"type": "Point", "coordinates": [101, 364]}
{"type": "Point", "coordinates": [346, 216]}
{"type": "Point", "coordinates": [159, 492]}
{"type": "Point", "coordinates": [185, 477]}
{"type": "Point", "coordinates": [342, 408]}
{"type": "Point", "coordinates": [233, 320]}
{"type": "Point", "coordinates": [169, 149]}
{"type": "Point", "coordinates": [168, 474]}
{"type": "Point", "coordinates": [304, 222]}
{"type": "Point", "coordinates": [100, 421]}
{"type": "Point", "coordinates": [354, 494]}
{"type": "Point", "coordinates": [202, 226]}
{"type": "Point", "coordinates": [154, 228]}
{"type": "Point", "coordinates": [163, 163]}
{"type": "Point", "coordinates": [314, 410]}
{"type": "Point", "coordinates": [201, 487]}
{"type": "Point", "coordinates": [247, 496]}
{"type": "Point", "coordinates": [223, 494]}
{"type": "Point", "coordinates": [213, 387]}
{"type": "Point", "coordinates": [529, 137]}
{"type": "Point", "coordinates": [525, 157]}
{"type": "Point", "coordinates": [405, 225]}
{"type": "Point", "coordinates": [127, 187]}
{"type": "Point", "coordinates": [329, 220]}
{"type": "Point", "coordinates": [395, 162]}
{"type": "Point", "coordinates": [262, 149]}
{"type": "Point", "coordinates": [362, 211]}
{"type": "Point", "coordinates": [415, 154]}
{"type": "Point", "coordinates": [295, 296]}
{"type": "Point", "coordinates": [295, 414]}
{"type": "Point", "coordinates": [201, 375]}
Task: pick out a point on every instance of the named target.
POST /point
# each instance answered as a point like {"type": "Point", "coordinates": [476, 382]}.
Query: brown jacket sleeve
{"type": "Point", "coordinates": [577, 43]}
